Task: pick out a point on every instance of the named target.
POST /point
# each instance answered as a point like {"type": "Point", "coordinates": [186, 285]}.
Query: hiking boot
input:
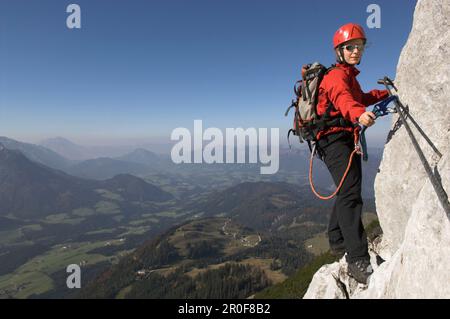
{"type": "Point", "coordinates": [360, 270]}
{"type": "Point", "coordinates": [337, 250]}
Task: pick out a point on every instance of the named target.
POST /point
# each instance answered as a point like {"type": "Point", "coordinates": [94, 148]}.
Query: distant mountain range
{"type": "Point", "coordinates": [67, 148]}
{"type": "Point", "coordinates": [32, 190]}
{"type": "Point", "coordinates": [78, 152]}
{"type": "Point", "coordinates": [137, 162]}
{"type": "Point", "coordinates": [103, 168]}
{"type": "Point", "coordinates": [37, 153]}
{"type": "Point", "coordinates": [141, 162]}
{"type": "Point", "coordinates": [142, 156]}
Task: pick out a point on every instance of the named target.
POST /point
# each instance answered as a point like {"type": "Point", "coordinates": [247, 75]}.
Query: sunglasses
{"type": "Point", "coordinates": [352, 47]}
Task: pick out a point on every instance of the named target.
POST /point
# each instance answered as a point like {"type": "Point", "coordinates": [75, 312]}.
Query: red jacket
{"type": "Point", "coordinates": [341, 88]}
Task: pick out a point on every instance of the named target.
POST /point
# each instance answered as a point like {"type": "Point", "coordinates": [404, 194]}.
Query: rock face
{"type": "Point", "coordinates": [423, 83]}
{"type": "Point", "coordinates": [416, 239]}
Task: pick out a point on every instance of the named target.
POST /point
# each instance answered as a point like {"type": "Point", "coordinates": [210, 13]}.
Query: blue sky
{"type": "Point", "coordinates": [138, 69]}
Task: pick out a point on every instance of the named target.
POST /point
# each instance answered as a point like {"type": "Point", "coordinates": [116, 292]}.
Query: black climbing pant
{"type": "Point", "coordinates": [345, 225]}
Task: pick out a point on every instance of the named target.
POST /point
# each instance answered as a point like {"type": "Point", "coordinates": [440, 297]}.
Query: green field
{"type": "Point", "coordinates": [318, 244]}
{"type": "Point", "coordinates": [8, 237]}
{"type": "Point", "coordinates": [34, 276]}
{"type": "Point", "coordinates": [170, 214]}
{"type": "Point", "coordinates": [83, 212]}
{"type": "Point", "coordinates": [107, 207]}
{"type": "Point", "coordinates": [108, 195]}
{"type": "Point", "coordinates": [63, 219]}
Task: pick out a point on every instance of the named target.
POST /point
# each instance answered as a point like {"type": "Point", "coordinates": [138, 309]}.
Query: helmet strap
{"type": "Point", "coordinates": [341, 57]}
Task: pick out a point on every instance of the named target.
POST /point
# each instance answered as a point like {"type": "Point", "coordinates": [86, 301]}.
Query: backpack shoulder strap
{"type": "Point", "coordinates": [330, 106]}
{"type": "Point", "coordinates": [331, 68]}
{"type": "Point", "coordinates": [335, 68]}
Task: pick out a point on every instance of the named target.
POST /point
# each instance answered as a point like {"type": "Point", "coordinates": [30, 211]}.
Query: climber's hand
{"type": "Point", "coordinates": [367, 119]}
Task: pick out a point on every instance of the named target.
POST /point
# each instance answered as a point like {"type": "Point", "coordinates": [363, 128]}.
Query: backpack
{"type": "Point", "coordinates": [307, 123]}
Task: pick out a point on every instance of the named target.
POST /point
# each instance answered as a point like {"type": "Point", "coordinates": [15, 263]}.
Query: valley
{"type": "Point", "coordinates": [212, 219]}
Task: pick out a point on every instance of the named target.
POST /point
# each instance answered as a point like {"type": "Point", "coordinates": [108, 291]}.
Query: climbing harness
{"type": "Point", "coordinates": [440, 192]}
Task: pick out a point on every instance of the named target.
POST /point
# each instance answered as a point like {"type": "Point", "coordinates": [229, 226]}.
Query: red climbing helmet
{"type": "Point", "coordinates": [348, 32]}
